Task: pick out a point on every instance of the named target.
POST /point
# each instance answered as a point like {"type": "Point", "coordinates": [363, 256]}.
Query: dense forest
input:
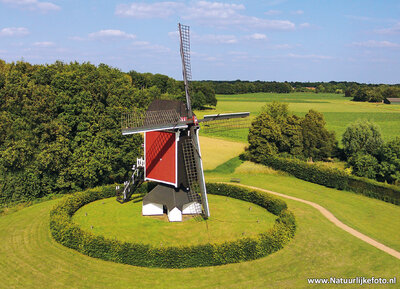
{"type": "Point", "coordinates": [60, 124]}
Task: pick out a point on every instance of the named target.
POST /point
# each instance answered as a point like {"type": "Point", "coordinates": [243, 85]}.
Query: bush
{"type": "Point", "coordinates": [66, 232]}
{"type": "Point", "coordinates": [364, 165]}
{"type": "Point", "coordinates": [334, 178]}
{"type": "Point", "coordinates": [277, 132]}
{"type": "Point", "coordinates": [362, 136]}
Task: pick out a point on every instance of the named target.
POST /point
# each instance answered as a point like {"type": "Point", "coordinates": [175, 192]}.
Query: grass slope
{"type": "Point", "coordinates": [230, 219]}
{"type": "Point", "coordinates": [29, 258]}
{"type": "Point", "coordinates": [217, 151]}
{"type": "Point", "coordinates": [338, 111]}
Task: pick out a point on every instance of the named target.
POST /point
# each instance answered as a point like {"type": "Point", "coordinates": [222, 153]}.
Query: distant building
{"type": "Point", "coordinates": [392, 100]}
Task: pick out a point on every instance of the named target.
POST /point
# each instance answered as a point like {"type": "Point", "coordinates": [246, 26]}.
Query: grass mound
{"type": "Point", "coordinates": [69, 234]}
{"type": "Point", "coordinates": [230, 219]}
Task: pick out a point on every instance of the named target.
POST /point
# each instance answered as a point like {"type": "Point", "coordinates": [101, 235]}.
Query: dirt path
{"type": "Point", "coordinates": [335, 221]}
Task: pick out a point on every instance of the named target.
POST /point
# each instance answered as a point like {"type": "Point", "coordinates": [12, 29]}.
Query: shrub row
{"type": "Point", "coordinates": [66, 232]}
{"type": "Point", "coordinates": [334, 178]}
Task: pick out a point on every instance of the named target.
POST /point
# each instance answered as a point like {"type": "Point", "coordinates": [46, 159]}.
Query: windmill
{"type": "Point", "coordinates": [172, 156]}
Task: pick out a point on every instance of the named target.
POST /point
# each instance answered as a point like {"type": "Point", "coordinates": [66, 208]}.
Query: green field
{"type": "Point", "coordinates": [338, 110]}
{"type": "Point", "coordinates": [231, 219]}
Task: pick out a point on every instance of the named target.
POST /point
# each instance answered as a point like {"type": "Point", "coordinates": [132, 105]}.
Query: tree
{"type": "Point", "coordinates": [318, 142]}
{"type": "Point", "coordinates": [292, 136]}
{"type": "Point", "coordinates": [389, 158]}
{"type": "Point", "coordinates": [362, 136]}
{"type": "Point", "coordinates": [277, 110]}
{"type": "Point", "coordinates": [360, 94]}
{"type": "Point", "coordinates": [276, 131]}
{"type": "Point", "coordinates": [264, 135]}
{"type": "Point", "coordinates": [364, 165]}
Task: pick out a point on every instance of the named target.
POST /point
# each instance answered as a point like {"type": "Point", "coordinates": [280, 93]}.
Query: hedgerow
{"type": "Point", "coordinates": [69, 234]}
{"type": "Point", "coordinates": [334, 178]}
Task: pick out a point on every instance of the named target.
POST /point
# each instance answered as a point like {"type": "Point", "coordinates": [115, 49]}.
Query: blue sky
{"type": "Point", "coordinates": [273, 40]}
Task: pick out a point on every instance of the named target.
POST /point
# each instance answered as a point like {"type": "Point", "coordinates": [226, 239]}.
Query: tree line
{"type": "Point", "coordinates": [202, 93]}
{"type": "Point", "coordinates": [372, 93]}
{"type": "Point", "coordinates": [60, 124]}
{"type": "Point", "coordinates": [276, 132]}
{"type": "Point", "coordinates": [240, 87]}
{"type": "Point", "coordinates": [364, 92]}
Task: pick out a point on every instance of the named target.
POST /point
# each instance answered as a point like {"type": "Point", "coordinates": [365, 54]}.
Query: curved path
{"type": "Point", "coordinates": [334, 220]}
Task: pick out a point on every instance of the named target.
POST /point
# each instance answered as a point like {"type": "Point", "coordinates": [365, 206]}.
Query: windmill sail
{"type": "Point", "coordinates": [225, 121]}
{"type": "Point", "coordinates": [199, 185]}
{"type": "Point", "coordinates": [184, 34]}
{"type": "Point", "coordinates": [138, 121]}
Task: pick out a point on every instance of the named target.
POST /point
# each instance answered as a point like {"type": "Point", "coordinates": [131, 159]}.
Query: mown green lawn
{"type": "Point", "coordinates": [230, 219]}
{"type": "Point", "coordinates": [30, 258]}
{"type": "Point", "coordinates": [338, 111]}
{"type": "Point", "coordinates": [375, 218]}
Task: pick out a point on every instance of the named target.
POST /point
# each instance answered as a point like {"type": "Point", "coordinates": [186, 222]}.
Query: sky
{"type": "Point", "coordinates": [272, 40]}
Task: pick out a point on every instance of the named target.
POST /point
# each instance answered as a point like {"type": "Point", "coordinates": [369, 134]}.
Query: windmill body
{"type": "Point", "coordinates": [172, 156]}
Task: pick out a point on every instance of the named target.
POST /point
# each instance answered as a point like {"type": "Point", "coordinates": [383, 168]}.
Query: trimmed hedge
{"type": "Point", "coordinates": [69, 234]}
{"type": "Point", "coordinates": [334, 178]}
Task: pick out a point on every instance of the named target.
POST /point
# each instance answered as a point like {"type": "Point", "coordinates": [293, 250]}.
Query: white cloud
{"type": "Point", "coordinates": [14, 31]}
{"type": "Point", "coordinates": [257, 36]}
{"type": "Point", "coordinates": [33, 5]}
{"type": "Point", "coordinates": [141, 43]}
{"type": "Point", "coordinates": [147, 46]}
{"type": "Point", "coordinates": [297, 12]}
{"type": "Point", "coordinates": [275, 2]}
{"type": "Point", "coordinates": [203, 12]}
{"type": "Point", "coordinates": [76, 38]}
{"type": "Point", "coordinates": [376, 44]}
{"type": "Point", "coordinates": [395, 29]}
{"type": "Point", "coordinates": [239, 53]}
{"type": "Point", "coordinates": [224, 15]}
{"type": "Point", "coordinates": [211, 58]}
{"type": "Point", "coordinates": [359, 18]}
{"type": "Point", "coordinates": [148, 10]}
{"type": "Point", "coordinates": [217, 39]}
{"type": "Point", "coordinates": [272, 12]}
{"type": "Point", "coordinates": [305, 25]}
{"type": "Point", "coordinates": [173, 34]}
{"type": "Point", "coordinates": [111, 34]}
{"type": "Point", "coordinates": [44, 44]}
{"type": "Point", "coordinates": [281, 46]}
{"type": "Point", "coordinates": [309, 56]}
